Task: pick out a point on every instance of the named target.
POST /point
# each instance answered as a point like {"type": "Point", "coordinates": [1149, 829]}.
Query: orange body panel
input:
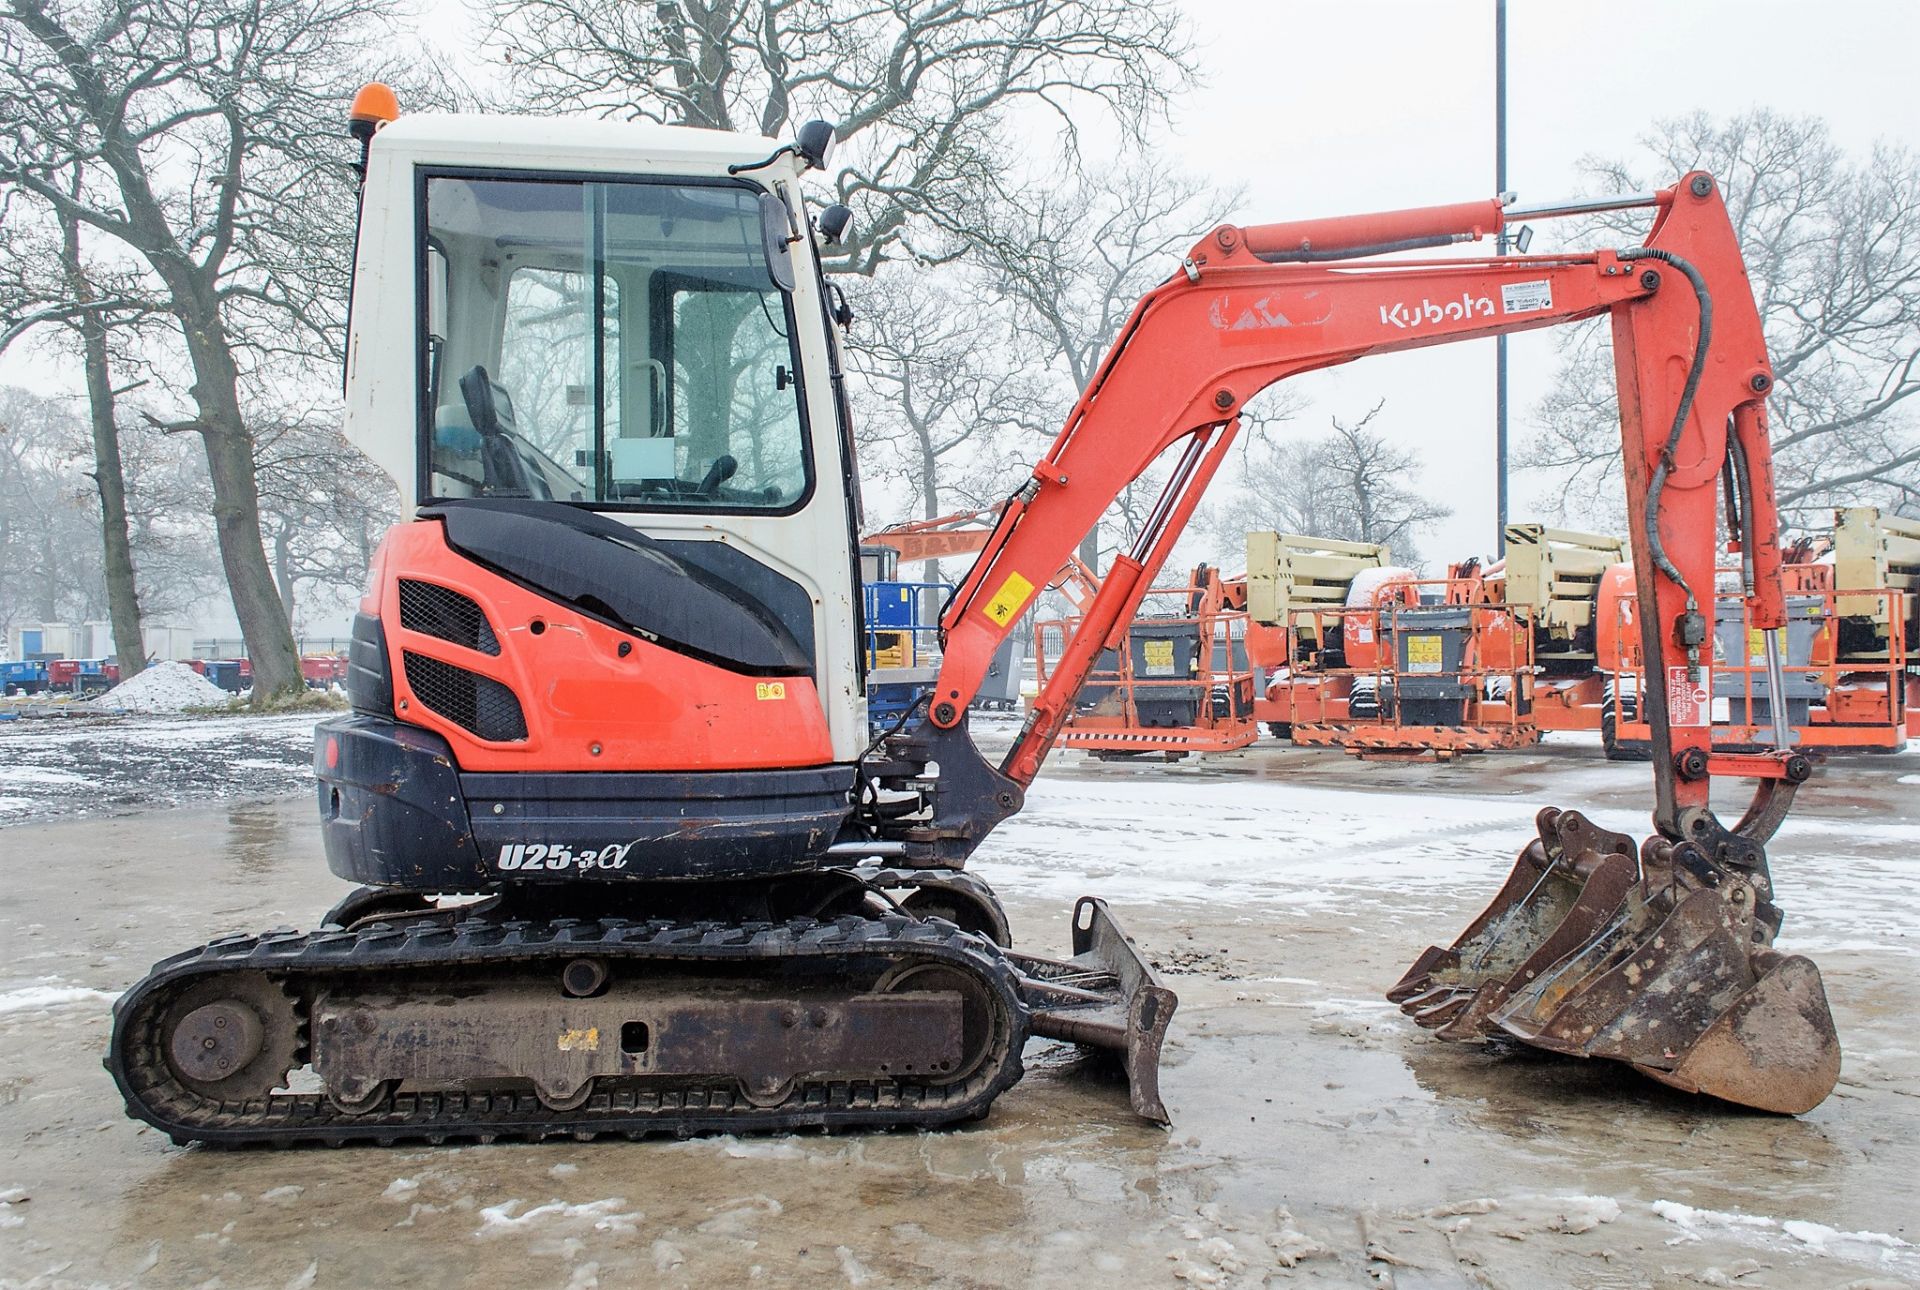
{"type": "Point", "coordinates": [1267, 647]}
{"type": "Point", "coordinates": [586, 706]}
{"type": "Point", "coordinates": [1613, 620]}
{"type": "Point", "coordinates": [1569, 703]}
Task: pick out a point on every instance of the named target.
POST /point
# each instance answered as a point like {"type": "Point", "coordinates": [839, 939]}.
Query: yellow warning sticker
{"type": "Point", "coordinates": [1010, 599]}
{"type": "Point", "coordinates": [1423, 653]}
{"type": "Point", "coordinates": [1158, 657]}
{"type": "Point", "coordinates": [764, 690]}
{"type": "Point", "coordinates": [1756, 646]}
{"type": "Point", "coordinates": [580, 1041]}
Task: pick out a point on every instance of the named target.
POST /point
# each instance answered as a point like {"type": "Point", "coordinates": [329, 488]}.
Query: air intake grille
{"type": "Point", "coordinates": [469, 700]}
{"type": "Point", "coordinates": [439, 612]}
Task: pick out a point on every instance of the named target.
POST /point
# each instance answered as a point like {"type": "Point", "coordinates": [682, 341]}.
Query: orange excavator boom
{"type": "Point", "coordinates": [1253, 307]}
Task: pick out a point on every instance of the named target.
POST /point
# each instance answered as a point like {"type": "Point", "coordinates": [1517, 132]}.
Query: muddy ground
{"type": "Point", "coordinates": [1318, 1138]}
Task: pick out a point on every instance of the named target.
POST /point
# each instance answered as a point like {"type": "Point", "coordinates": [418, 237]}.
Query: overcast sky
{"type": "Point", "coordinates": [1335, 107]}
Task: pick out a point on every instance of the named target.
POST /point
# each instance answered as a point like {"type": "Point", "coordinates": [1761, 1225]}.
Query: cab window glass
{"type": "Point", "coordinates": [620, 345]}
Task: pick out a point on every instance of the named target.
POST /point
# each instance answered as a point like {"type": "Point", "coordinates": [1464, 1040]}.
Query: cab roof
{"type": "Point", "coordinates": [559, 142]}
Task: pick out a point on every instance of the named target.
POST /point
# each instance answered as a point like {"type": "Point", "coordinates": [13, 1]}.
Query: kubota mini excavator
{"type": "Point", "coordinates": [629, 861]}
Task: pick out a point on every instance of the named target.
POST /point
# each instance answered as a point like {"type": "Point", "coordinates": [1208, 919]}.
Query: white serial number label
{"type": "Point", "coordinates": [528, 856]}
{"type": "Point", "coordinates": [1526, 297]}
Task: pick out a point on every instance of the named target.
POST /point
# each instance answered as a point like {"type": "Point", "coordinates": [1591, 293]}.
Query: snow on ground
{"type": "Point", "coordinates": [1877, 1249]}
{"type": "Point", "coordinates": [85, 766]}
{"type": "Point", "coordinates": [1179, 838]}
{"type": "Point", "coordinates": [1302, 849]}
{"type": "Point", "coordinates": [165, 687]}
{"type": "Point", "coordinates": [48, 994]}
{"type": "Point", "coordinates": [606, 1216]}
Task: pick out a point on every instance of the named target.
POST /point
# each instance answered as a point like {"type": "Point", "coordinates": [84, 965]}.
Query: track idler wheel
{"type": "Point", "coordinates": [232, 1038]}
{"type": "Point", "coordinates": [976, 1013]}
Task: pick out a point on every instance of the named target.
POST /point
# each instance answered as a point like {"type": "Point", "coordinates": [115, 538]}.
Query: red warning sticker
{"type": "Point", "coordinates": [1689, 703]}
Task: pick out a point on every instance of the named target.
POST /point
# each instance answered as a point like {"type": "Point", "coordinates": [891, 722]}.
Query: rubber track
{"type": "Point", "coordinates": [388, 954]}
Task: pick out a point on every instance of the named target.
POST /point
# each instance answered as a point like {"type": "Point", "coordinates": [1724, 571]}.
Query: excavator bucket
{"type": "Point", "coordinates": [1677, 987]}
{"type": "Point", "coordinates": [1564, 887]}
{"type": "Point", "coordinates": [1106, 996]}
{"type": "Point", "coordinates": [1590, 953]}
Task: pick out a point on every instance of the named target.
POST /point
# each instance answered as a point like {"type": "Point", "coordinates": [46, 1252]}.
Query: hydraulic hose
{"type": "Point", "coordinates": [1665, 467]}
{"type": "Point", "coordinates": [1740, 511]}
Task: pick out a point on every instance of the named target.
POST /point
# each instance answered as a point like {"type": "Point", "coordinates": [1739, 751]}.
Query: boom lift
{"type": "Point", "coordinates": [1849, 678]}
{"type": "Point", "coordinates": [1177, 680]}
{"type": "Point", "coordinates": [956, 534]}
{"type": "Point", "coordinates": [607, 683]}
{"type": "Point", "coordinates": [1384, 663]}
{"type": "Point", "coordinates": [1370, 657]}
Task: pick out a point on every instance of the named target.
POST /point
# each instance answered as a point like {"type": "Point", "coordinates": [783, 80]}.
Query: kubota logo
{"type": "Point", "coordinates": [1426, 314]}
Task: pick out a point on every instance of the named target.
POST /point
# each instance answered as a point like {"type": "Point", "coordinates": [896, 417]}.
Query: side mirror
{"type": "Point", "coordinates": [815, 143]}
{"type": "Point", "coordinates": [833, 223]}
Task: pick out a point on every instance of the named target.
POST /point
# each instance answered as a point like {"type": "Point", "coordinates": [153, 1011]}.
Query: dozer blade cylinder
{"type": "Point", "coordinates": [1105, 996]}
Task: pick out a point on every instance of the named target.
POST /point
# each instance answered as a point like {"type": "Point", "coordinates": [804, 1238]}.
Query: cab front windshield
{"type": "Point", "coordinates": [610, 344]}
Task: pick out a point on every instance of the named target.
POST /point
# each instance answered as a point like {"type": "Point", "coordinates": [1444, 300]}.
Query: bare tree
{"type": "Point", "coordinates": [169, 520]}
{"type": "Point", "coordinates": [326, 506]}
{"type": "Point", "coordinates": [200, 139]}
{"type": "Point", "coordinates": [47, 280]}
{"type": "Point", "coordinates": [919, 89]}
{"type": "Point", "coordinates": [1078, 255]}
{"type": "Point", "coordinates": [1074, 257]}
{"type": "Point", "coordinates": [1351, 484]}
{"type": "Point", "coordinates": [49, 558]}
{"type": "Point", "coordinates": [1833, 250]}
{"type": "Point", "coordinates": [52, 563]}
{"type": "Point", "coordinates": [942, 381]}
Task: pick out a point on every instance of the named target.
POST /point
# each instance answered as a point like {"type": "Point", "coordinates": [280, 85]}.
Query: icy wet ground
{"type": "Point", "coordinates": [1319, 1138]}
{"type": "Point", "coordinates": [57, 768]}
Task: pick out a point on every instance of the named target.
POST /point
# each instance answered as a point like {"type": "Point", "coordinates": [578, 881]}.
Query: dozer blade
{"type": "Point", "coordinates": [1105, 996]}
{"type": "Point", "coordinates": [1563, 889]}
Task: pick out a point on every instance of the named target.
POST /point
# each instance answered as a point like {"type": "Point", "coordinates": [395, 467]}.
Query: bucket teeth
{"type": "Point", "coordinates": [1563, 887]}
{"type": "Point", "coordinates": [1588, 952]}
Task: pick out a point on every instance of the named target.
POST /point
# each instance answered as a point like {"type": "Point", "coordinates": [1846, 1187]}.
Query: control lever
{"type": "Point", "coordinates": [718, 473]}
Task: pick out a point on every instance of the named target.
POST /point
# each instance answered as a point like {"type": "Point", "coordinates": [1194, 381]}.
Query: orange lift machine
{"type": "Point", "coordinates": [1176, 680]}
{"type": "Point", "coordinates": [1849, 678]}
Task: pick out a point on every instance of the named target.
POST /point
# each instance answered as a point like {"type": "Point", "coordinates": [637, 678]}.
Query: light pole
{"type": "Point", "coordinates": [1500, 248]}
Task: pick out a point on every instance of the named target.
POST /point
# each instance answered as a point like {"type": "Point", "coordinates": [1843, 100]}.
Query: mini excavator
{"type": "Point", "coordinates": [628, 859]}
